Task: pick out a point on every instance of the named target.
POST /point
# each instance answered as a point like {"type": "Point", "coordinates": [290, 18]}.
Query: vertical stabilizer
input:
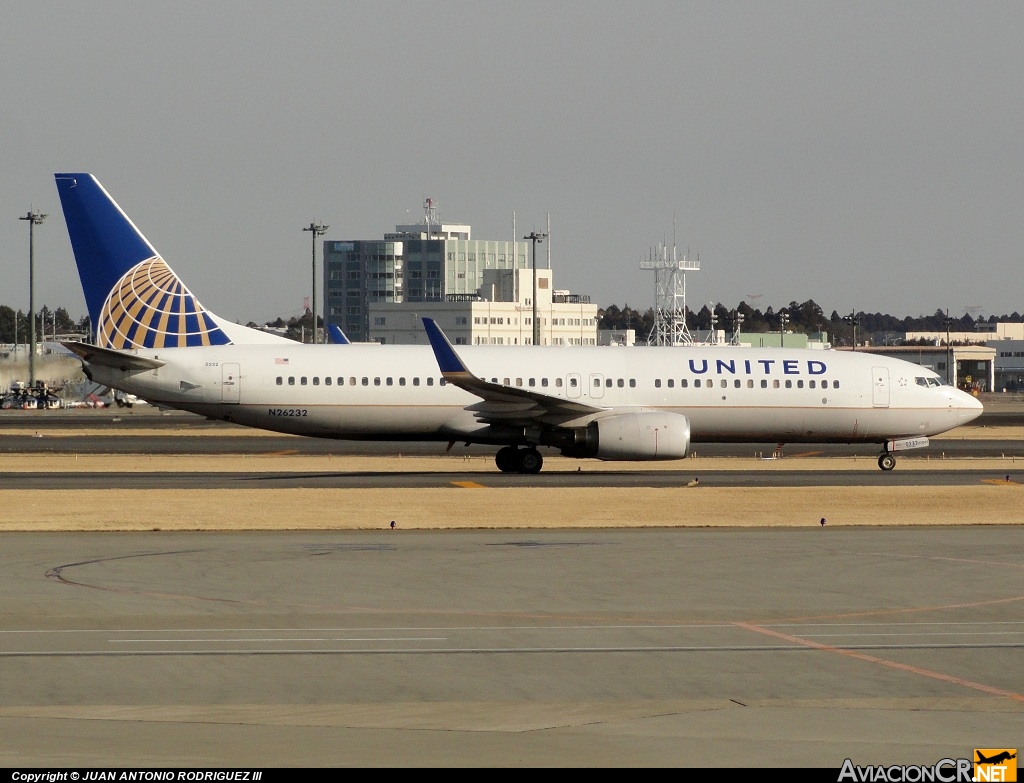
{"type": "Point", "coordinates": [135, 299]}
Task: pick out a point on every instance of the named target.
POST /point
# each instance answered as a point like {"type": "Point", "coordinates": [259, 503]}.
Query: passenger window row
{"type": "Point", "coordinates": [737, 383]}
{"type": "Point", "coordinates": [573, 382]}
{"type": "Point", "coordinates": [353, 381]}
{"type": "Point", "coordinates": [621, 383]}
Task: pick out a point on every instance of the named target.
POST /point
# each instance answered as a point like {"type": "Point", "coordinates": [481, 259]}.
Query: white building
{"type": "Point", "coordinates": [983, 333]}
{"type": "Point", "coordinates": [619, 337]}
{"type": "Point", "coordinates": [499, 313]}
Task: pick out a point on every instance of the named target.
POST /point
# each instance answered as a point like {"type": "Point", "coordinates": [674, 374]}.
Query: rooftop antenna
{"type": "Point", "coordinates": [670, 293]}
{"type": "Point", "coordinates": [429, 214]}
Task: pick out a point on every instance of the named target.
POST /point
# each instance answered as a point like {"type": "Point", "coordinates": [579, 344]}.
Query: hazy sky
{"type": "Point", "coordinates": [867, 155]}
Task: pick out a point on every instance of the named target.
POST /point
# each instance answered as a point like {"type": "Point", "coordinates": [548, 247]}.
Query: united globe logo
{"type": "Point", "coordinates": [150, 307]}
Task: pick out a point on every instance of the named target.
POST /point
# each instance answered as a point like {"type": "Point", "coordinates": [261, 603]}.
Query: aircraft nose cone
{"type": "Point", "coordinates": [968, 407]}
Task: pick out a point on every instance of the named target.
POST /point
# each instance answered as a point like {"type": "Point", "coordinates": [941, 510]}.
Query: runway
{"type": "Point", "coordinates": [441, 478]}
{"type": "Point", "coordinates": [149, 431]}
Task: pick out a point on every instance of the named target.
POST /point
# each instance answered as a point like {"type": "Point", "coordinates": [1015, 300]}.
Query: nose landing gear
{"type": "Point", "coordinates": [886, 461]}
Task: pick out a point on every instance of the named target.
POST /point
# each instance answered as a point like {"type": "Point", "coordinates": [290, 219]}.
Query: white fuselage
{"type": "Point", "coordinates": [378, 392]}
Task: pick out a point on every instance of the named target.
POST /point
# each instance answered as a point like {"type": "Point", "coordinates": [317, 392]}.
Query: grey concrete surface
{"type": "Point", "coordinates": [696, 648]}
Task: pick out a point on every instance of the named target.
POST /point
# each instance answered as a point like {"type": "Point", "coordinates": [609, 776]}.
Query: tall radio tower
{"type": "Point", "coordinates": [670, 295]}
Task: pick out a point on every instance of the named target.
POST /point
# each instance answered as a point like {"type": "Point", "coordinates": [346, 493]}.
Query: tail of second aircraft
{"type": "Point", "coordinates": [135, 299]}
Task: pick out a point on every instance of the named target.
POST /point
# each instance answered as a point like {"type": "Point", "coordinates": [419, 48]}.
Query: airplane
{"type": "Point", "coordinates": [154, 339]}
{"type": "Point", "coordinates": [996, 759]}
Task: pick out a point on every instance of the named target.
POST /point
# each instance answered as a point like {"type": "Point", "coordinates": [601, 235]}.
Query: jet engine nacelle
{"type": "Point", "coordinates": [641, 435]}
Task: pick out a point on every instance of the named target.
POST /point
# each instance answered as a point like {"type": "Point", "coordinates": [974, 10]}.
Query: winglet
{"type": "Point", "coordinates": [447, 360]}
{"type": "Point", "coordinates": [338, 337]}
{"type": "Point", "coordinates": [504, 406]}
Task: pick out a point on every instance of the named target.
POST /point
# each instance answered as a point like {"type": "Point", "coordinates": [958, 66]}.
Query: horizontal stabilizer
{"type": "Point", "coordinates": [108, 357]}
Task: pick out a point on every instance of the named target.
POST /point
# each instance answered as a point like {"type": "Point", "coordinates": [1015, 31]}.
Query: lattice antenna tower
{"type": "Point", "coordinates": [670, 294]}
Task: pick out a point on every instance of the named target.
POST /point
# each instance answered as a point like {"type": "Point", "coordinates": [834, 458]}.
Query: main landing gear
{"type": "Point", "coordinates": [510, 459]}
{"type": "Point", "coordinates": [886, 461]}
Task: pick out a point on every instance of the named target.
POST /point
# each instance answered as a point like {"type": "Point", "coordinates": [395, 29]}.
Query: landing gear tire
{"type": "Point", "coordinates": [886, 461]}
{"type": "Point", "coordinates": [507, 460]}
{"type": "Point", "coordinates": [530, 461]}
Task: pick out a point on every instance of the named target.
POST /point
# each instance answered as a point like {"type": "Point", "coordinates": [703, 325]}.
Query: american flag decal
{"type": "Point", "coordinates": [280, 361]}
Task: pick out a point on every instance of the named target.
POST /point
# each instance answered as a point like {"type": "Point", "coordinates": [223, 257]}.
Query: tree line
{"type": "Point", "coordinates": [800, 317]}
{"type": "Point", "coordinates": [14, 325]}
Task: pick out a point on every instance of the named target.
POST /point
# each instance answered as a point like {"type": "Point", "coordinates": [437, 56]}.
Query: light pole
{"type": "Point", "coordinates": [34, 219]}
{"type": "Point", "coordinates": [949, 323]}
{"type": "Point", "coordinates": [317, 230]}
{"type": "Point", "coordinates": [737, 319]}
{"type": "Point", "coordinates": [852, 320]}
{"type": "Point", "coordinates": [534, 237]}
{"type": "Point", "coordinates": [783, 319]}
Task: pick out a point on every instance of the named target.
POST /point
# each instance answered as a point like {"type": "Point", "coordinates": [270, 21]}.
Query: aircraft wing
{"type": "Point", "coordinates": [108, 357]}
{"type": "Point", "coordinates": [501, 405]}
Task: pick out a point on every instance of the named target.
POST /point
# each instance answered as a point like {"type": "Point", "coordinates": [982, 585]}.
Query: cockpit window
{"type": "Point", "coordinates": [921, 381]}
{"type": "Point", "coordinates": [929, 382]}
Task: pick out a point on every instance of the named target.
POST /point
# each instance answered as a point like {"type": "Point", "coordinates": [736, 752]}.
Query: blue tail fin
{"type": "Point", "coordinates": [135, 300]}
{"type": "Point", "coordinates": [338, 337]}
